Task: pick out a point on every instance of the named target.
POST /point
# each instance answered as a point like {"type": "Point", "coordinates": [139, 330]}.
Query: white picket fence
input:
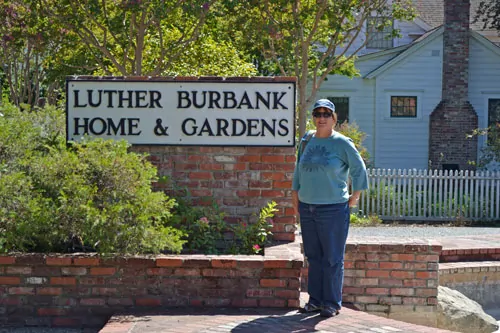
{"type": "Point", "coordinates": [432, 195]}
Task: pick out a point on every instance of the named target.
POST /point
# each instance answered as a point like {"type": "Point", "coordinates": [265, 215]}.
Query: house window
{"type": "Point", "coordinates": [341, 108]}
{"type": "Point", "coordinates": [379, 36]}
{"type": "Point", "coordinates": [404, 106]}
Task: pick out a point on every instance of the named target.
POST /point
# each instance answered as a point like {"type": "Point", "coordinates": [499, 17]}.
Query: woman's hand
{"type": "Point", "coordinates": [354, 198]}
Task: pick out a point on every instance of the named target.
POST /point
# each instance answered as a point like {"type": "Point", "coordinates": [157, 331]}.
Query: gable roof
{"type": "Point", "coordinates": [432, 13]}
{"type": "Point", "coordinates": [393, 50]}
{"type": "Point", "coordinates": [416, 45]}
{"type": "Point", "coordinates": [422, 41]}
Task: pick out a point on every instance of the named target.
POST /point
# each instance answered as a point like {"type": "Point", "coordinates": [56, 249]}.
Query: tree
{"type": "Point", "coordinates": [310, 39]}
{"type": "Point", "coordinates": [211, 57]}
{"type": "Point", "coordinates": [488, 13]}
{"type": "Point", "coordinates": [25, 44]}
{"type": "Point", "coordinates": [44, 41]}
{"type": "Point", "coordinates": [131, 37]}
{"type": "Point", "coordinates": [143, 38]}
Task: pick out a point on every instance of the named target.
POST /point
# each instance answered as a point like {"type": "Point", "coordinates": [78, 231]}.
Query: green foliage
{"type": "Point", "coordinates": [43, 41]}
{"type": "Point", "coordinates": [203, 227]}
{"type": "Point", "coordinates": [90, 196]}
{"type": "Point", "coordinates": [491, 150]}
{"type": "Point", "coordinates": [24, 134]}
{"type": "Point", "coordinates": [207, 232]}
{"type": "Point", "coordinates": [158, 37]}
{"type": "Point", "coordinates": [27, 40]}
{"type": "Point", "coordinates": [359, 219]}
{"type": "Point", "coordinates": [25, 224]}
{"type": "Point", "coordinates": [308, 39]}
{"type": "Point", "coordinates": [253, 237]}
{"type": "Point", "coordinates": [209, 57]}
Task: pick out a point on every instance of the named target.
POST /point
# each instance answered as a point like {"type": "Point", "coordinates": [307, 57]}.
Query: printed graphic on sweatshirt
{"type": "Point", "coordinates": [315, 158]}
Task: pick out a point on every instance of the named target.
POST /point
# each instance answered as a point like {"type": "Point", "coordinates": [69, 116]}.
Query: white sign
{"type": "Point", "coordinates": [226, 113]}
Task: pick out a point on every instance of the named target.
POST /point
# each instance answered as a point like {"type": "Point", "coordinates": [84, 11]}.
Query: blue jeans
{"type": "Point", "coordinates": [324, 234]}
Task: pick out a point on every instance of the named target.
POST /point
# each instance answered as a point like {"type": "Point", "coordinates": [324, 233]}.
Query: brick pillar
{"type": "Point", "coordinates": [454, 117]}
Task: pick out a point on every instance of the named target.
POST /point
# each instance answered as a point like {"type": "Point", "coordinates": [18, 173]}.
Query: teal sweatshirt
{"type": "Point", "coordinates": [323, 168]}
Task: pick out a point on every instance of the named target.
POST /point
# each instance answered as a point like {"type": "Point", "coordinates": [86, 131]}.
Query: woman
{"type": "Point", "coordinates": [321, 198]}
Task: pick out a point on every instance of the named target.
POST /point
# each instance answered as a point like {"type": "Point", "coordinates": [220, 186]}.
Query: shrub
{"type": "Point", "coordinates": [207, 232]}
{"type": "Point", "coordinates": [203, 227]}
{"type": "Point", "coordinates": [24, 221]}
{"type": "Point", "coordinates": [359, 219]}
{"type": "Point", "coordinates": [253, 237]}
{"type": "Point", "coordinates": [91, 196]}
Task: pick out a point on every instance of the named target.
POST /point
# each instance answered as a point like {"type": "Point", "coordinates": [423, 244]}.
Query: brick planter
{"type": "Point", "coordinates": [395, 278]}
{"type": "Point", "coordinates": [85, 290]}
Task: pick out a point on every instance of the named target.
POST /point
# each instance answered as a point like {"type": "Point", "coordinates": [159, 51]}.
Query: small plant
{"type": "Point", "coordinates": [250, 239]}
{"type": "Point", "coordinates": [207, 232]}
{"type": "Point", "coordinates": [204, 227]}
{"type": "Point", "coordinates": [360, 219]}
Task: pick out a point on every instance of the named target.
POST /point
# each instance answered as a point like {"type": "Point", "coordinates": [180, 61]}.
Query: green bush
{"type": "Point", "coordinates": [24, 219]}
{"type": "Point", "coordinates": [359, 219]}
{"type": "Point", "coordinates": [97, 196]}
{"type": "Point", "coordinates": [206, 230]}
{"type": "Point", "coordinates": [93, 196]}
{"type": "Point", "coordinates": [253, 237]}
{"type": "Point", "coordinates": [203, 227]}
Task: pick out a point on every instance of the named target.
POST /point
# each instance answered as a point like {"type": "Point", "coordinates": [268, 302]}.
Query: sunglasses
{"type": "Point", "coordinates": [322, 114]}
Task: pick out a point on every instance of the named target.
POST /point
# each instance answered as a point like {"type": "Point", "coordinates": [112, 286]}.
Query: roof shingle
{"type": "Point", "coordinates": [432, 13]}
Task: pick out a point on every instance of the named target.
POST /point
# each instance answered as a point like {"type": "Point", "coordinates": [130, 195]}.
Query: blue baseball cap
{"type": "Point", "coordinates": [324, 103]}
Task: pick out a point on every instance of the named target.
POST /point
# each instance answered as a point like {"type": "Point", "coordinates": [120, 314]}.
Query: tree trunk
{"type": "Point", "coordinates": [302, 107]}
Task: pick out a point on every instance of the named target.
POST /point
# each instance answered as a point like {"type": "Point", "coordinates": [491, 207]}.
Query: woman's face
{"type": "Point", "coordinates": [323, 118]}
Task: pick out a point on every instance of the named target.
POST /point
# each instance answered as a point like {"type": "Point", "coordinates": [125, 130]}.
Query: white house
{"type": "Point", "coordinates": [400, 87]}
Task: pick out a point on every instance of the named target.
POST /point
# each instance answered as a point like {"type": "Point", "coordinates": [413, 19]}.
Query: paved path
{"type": "Point", "coordinates": [258, 321]}
{"type": "Point", "coordinates": [421, 231]}
{"type": "Point", "coordinates": [470, 242]}
{"type": "Point", "coordinates": [452, 238]}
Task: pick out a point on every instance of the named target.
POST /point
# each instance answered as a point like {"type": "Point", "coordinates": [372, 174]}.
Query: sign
{"type": "Point", "coordinates": [226, 113]}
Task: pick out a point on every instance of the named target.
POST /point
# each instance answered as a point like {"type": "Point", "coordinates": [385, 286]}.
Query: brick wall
{"type": "Point", "coordinates": [479, 254]}
{"type": "Point", "coordinates": [85, 290]}
{"type": "Point", "coordinates": [241, 179]}
{"type": "Point", "coordinates": [396, 279]}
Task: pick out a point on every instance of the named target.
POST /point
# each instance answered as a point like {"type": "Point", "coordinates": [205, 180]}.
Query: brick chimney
{"type": "Point", "coordinates": [454, 117]}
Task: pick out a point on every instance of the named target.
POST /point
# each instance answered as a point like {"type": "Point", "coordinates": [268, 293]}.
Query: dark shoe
{"type": "Point", "coordinates": [309, 307]}
{"type": "Point", "coordinates": [329, 312]}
